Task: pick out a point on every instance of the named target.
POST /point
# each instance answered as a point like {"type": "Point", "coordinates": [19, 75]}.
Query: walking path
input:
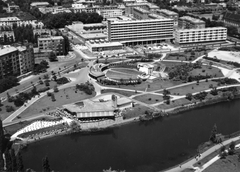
{"type": "Point", "coordinates": [191, 162]}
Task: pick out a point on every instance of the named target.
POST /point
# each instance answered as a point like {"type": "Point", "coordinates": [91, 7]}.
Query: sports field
{"type": "Point", "coordinates": [122, 73]}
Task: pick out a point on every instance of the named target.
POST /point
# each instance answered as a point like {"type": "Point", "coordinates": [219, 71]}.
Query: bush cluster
{"type": "Point", "coordinates": [62, 80]}
{"type": "Point", "coordinates": [87, 87]}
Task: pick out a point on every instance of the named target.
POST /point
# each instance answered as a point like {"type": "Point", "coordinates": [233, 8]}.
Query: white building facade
{"type": "Point", "coordinates": [140, 31]}
{"type": "Point", "coordinates": [202, 36]}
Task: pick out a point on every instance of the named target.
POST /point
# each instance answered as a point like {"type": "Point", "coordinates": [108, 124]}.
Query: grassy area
{"type": "Point", "coordinates": [125, 93]}
{"type": "Point", "coordinates": [184, 56]}
{"type": "Point", "coordinates": [119, 75]}
{"type": "Point", "coordinates": [127, 71]}
{"type": "Point", "coordinates": [174, 103]}
{"type": "Point", "coordinates": [205, 70]}
{"type": "Point", "coordinates": [5, 114]}
{"type": "Point", "coordinates": [230, 164]}
{"type": "Point", "coordinates": [156, 84]}
{"type": "Point", "coordinates": [192, 88]}
{"type": "Point", "coordinates": [64, 96]}
{"type": "Point", "coordinates": [135, 111]}
{"type": "Point", "coordinates": [149, 98]}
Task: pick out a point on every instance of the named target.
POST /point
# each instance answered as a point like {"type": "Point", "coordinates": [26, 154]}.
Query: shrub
{"type": "Point", "coordinates": [47, 83]}
{"type": "Point", "coordinates": [55, 89]}
{"type": "Point", "coordinates": [53, 97]}
{"type": "Point", "coordinates": [149, 99]}
{"type": "Point", "coordinates": [49, 94]}
{"type": "Point", "coordinates": [62, 80]}
{"type": "Point", "coordinates": [9, 108]}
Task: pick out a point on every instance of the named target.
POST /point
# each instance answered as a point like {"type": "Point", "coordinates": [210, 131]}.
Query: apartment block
{"type": "Point", "coordinates": [110, 13]}
{"type": "Point", "coordinates": [202, 36]}
{"type": "Point", "coordinates": [140, 31]}
{"type": "Point", "coordinates": [187, 22]}
{"type": "Point", "coordinates": [52, 43]}
{"type": "Point", "coordinates": [16, 60]}
{"type": "Point", "coordinates": [168, 14]}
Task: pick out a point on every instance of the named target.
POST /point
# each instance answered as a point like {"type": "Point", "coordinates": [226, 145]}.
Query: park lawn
{"type": "Point", "coordinates": [192, 88]}
{"type": "Point", "coordinates": [5, 114]}
{"type": "Point", "coordinates": [64, 96]}
{"type": "Point", "coordinates": [149, 98]}
{"type": "Point", "coordinates": [127, 71]}
{"type": "Point", "coordinates": [119, 75]}
{"type": "Point", "coordinates": [122, 92]}
{"type": "Point", "coordinates": [229, 164]}
{"type": "Point", "coordinates": [205, 70]}
{"type": "Point", "coordinates": [156, 84]}
{"type": "Point", "coordinates": [135, 111]}
{"type": "Point", "coordinates": [184, 56]}
{"type": "Point", "coordinates": [175, 103]}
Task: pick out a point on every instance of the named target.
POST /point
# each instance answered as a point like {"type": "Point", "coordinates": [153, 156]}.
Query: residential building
{"type": "Point", "coordinates": [103, 45]}
{"type": "Point", "coordinates": [54, 10]}
{"type": "Point", "coordinates": [201, 36]}
{"type": "Point", "coordinates": [110, 13]}
{"type": "Point", "coordinates": [40, 32]}
{"type": "Point", "coordinates": [140, 13]}
{"type": "Point", "coordinates": [144, 5]}
{"type": "Point", "coordinates": [232, 19]}
{"type": "Point", "coordinates": [11, 7]}
{"type": "Point", "coordinates": [169, 14]}
{"type": "Point", "coordinates": [140, 31]}
{"type": "Point", "coordinates": [52, 43]}
{"type": "Point", "coordinates": [9, 35]}
{"type": "Point", "coordinates": [39, 4]}
{"type": "Point", "coordinates": [26, 59]}
{"type": "Point", "coordinates": [187, 22]}
{"type": "Point", "coordinates": [16, 60]}
{"type": "Point", "coordinates": [9, 21]}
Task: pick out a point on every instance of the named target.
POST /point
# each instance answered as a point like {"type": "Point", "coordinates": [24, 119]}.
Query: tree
{"type": "Point", "coordinates": [55, 89]}
{"type": "Point", "coordinates": [13, 159]}
{"type": "Point", "coordinates": [232, 148]}
{"type": "Point", "coordinates": [52, 57]}
{"type": "Point", "coordinates": [213, 134]}
{"type": "Point", "coordinates": [189, 96]}
{"type": "Point", "coordinates": [20, 167]}
{"type": "Point", "coordinates": [46, 165]}
{"type": "Point", "coordinates": [53, 97]}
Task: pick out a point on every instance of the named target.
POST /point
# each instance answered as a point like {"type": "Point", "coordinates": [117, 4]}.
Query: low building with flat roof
{"type": "Point", "coordinates": [103, 45]}
{"type": "Point", "coordinates": [39, 4]}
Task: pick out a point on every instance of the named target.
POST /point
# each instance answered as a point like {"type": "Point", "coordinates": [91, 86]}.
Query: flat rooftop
{"type": "Point", "coordinates": [140, 21]}
{"type": "Point", "coordinates": [141, 10]}
{"type": "Point", "coordinates": [6, 50]}
{"type": "Point", "coordinates": [103, 44]}
{"type": "Point", "coordinates": [51, 38]}
{"type": "Point", "coordinates": [93, 36]}
{"type": "Point", "coordinates": [201, 29]}
{"type": "Point", "coordinates": [5, 19]}
{"type": "Point", "coordinates": [155, 16]}
{"type": "Point", "coordinates": [167, 12]}
{"type": "Point", "coordinates": [191, 19]}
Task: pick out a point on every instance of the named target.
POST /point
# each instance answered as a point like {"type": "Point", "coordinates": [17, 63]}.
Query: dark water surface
{"type": "Point", "coordinates": [155, 145]}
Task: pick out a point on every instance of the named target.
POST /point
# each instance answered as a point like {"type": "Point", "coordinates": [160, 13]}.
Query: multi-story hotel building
{"type": "Point", "coordinates": [140, 31]}
{"type": "Point", "coordinates": [202, 36]}
{"type": "Point", "coordinates": [187, 22]}
{"type": "Point", "coordinates": [52, 43]}
{"type": "Point", "coordinates": [15, 60]}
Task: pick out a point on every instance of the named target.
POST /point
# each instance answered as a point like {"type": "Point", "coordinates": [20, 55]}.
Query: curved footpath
{"type": "Point", "coordinates": [189, 164]}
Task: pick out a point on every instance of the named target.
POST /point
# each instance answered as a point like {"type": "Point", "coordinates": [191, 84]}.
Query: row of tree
{"type": "Point", "coordinates": [60, 20]}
